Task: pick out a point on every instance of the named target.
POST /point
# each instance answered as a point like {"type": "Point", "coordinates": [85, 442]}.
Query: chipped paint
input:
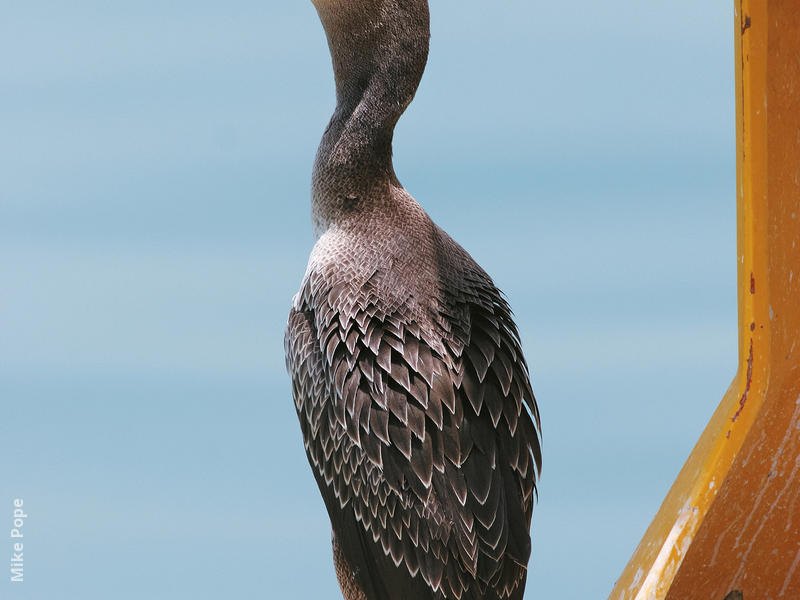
{"type": "Point", "coordinates": [749, 381]}
{"type": "Point", "coordinates": [668, 558]}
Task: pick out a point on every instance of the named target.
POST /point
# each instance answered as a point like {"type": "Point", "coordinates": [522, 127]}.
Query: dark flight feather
{"type": "Point", "coordinates": [453, 459]}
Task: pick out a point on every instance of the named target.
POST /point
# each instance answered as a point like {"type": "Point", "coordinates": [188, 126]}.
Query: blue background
{"type": "Point", "coordinates": [154, 224]}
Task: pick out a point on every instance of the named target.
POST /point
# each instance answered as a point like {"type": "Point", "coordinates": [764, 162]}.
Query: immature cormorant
{"type": "Point", "coordinates": [413, 395]}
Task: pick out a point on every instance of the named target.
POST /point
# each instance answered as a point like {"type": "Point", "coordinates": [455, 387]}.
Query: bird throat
{"type": "Point", "coordinates": [379, 49]}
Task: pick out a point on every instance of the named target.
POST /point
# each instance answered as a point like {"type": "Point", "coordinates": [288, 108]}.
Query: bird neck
{"type": "Point", "coordinates": [379, 49]}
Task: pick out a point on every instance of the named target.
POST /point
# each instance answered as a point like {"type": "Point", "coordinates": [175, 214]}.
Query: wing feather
{"type": "Point", "coordinates": [422, 448]}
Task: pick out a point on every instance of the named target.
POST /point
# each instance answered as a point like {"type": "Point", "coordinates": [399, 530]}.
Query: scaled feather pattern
{"type": "Point", "coordinates": [413, 395]}
{"type": "Point", "coordinates": [419, 421]}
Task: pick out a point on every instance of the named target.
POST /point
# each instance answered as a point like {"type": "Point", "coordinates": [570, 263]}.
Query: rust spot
{"type": "Point", "coordinates": [752, 326]}
{"type": "Point", "coordinates": [746, 24]}
{"type": "Point", "coordinates": [752, 284]}
{"type": "Point", "coordinates": [743, 399]}
{"type": "Point", "coordinates": [727, 435]}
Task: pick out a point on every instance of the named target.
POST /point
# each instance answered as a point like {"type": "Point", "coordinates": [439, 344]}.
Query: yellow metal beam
{"type": "Point", "coordinates": [727, 520]}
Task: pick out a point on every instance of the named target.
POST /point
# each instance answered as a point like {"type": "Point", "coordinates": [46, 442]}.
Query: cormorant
{"type": "Point", "coordinates": [413, 395]}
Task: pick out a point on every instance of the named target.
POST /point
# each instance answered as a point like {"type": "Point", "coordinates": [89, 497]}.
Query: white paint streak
{"type": "Point", "coordinates": [719, 543]}
{"type": "Point", "coordinates": [663, 569]}
{"type": "Point", "coordinates": [777, 457]}
{"type": "Point", "coordinates": [789, 574]}
{"type": "Point", "coordinates": [636, 579]}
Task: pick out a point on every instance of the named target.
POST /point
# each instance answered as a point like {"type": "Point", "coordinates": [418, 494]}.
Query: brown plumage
{"type": "Point", "coordinates": [413, 395]}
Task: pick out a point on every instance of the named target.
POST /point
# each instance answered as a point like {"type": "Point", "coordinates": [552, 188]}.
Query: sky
{"type": "Point", "coordinates": [154, 224]}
